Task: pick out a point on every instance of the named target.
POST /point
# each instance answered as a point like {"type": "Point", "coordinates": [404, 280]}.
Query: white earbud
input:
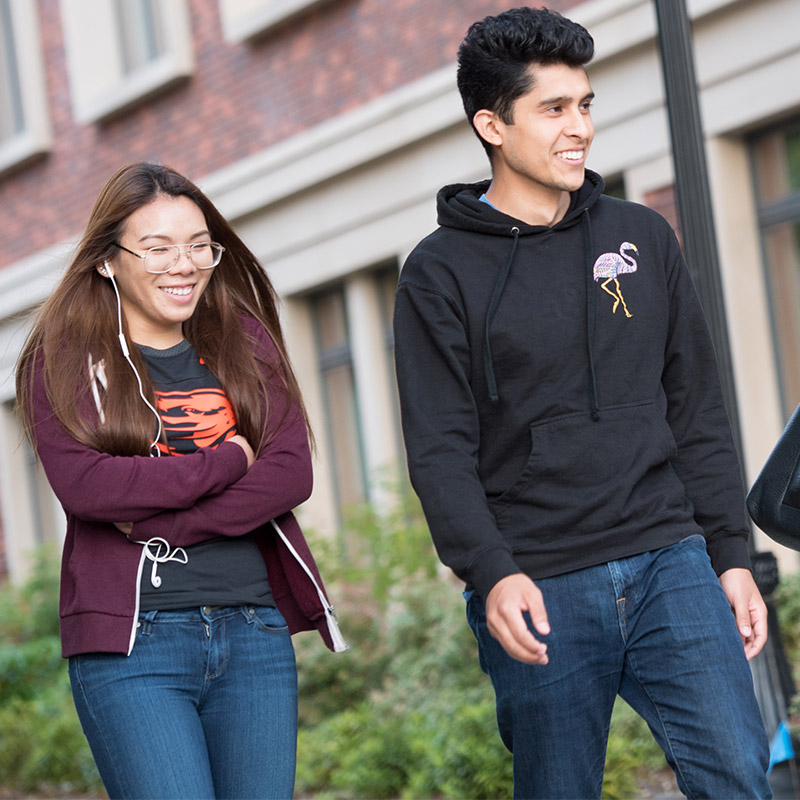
{"type": "Point", "coordinates": [106, 269]}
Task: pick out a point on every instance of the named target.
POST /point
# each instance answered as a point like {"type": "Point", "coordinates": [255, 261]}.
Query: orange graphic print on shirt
{"type": "Point", "coordinates": [195, 419]}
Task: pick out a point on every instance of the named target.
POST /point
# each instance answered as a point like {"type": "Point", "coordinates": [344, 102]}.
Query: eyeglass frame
{"type": "Point", "coordinates": [180, 253]}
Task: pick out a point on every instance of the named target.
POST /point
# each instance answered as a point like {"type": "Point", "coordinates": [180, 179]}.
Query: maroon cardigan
{"type": "Point", "coordinates": [184, 500]}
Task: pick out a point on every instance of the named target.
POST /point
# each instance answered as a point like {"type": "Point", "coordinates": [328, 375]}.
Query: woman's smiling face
{"type": "Point", "coordinates": [157, 305]}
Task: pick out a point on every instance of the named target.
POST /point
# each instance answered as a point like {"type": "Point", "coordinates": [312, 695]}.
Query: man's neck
{"type": "Point", "coordinates": [532, 204]}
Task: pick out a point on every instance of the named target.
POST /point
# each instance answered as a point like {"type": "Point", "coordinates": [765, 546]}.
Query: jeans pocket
{"type": "Point", "coordinates": [268, 619]}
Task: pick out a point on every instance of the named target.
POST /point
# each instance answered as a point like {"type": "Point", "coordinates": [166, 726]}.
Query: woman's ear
{"type": "Point", "coordinates": [489, 126]}
{"type": "Point", "coordinates": [105, 269]}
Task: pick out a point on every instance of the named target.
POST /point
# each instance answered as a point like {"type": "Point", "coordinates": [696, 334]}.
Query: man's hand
{"type": "Point", "coordinates": [505, 604]}
{"type": "Point", "coordinates": [748, 608]}
{"type": "Point", "coordinates": [125, 527]}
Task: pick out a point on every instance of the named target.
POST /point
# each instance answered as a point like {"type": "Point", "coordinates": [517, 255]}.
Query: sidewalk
{"type": "Point", "coordinates": [781, 780]}
{"type": "Point", "coordinates": [785, 785]}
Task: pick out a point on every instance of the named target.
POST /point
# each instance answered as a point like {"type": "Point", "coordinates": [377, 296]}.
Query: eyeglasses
{"type": "Point", "coordinates": [204, 255]}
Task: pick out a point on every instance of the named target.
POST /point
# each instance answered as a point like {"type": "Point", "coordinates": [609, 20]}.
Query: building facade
{"type": "Point", "coordinates": [322, 129]}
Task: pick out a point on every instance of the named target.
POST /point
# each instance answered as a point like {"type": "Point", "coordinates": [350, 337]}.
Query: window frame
{"type": "Point", "coordinates": [35, 137]}
{"type": "Point", "coordinates": [772, 215]}
{"type": "Point", "coordinates": [329, 359]}
{"type": "Point", "coordinates": [91, 36]}
{"type": "Point", "coordinates": [243, 21]}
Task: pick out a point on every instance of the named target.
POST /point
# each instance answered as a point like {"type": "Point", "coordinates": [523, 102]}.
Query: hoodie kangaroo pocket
{"type": "Point", "coordinates": [589, 475]}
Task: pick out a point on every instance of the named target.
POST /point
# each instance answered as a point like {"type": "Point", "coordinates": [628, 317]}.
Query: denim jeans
{"type": "Point", "coordinates": [204, 707]}
{"type": "Point", "coordinates": [656, 629]}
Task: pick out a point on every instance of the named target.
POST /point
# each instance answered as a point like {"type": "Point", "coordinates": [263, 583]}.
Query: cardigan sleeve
{"type": "Point", "coordinates": [278, 481]}
{"type": "Point", "coordinates": [99, 487]}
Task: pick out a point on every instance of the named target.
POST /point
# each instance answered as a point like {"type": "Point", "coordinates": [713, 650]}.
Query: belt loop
{"type": "Point", "coordinates": [146, 620]}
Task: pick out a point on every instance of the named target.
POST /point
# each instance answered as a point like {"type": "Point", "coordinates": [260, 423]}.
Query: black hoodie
{"type": "Point", "coordinates": [560, 397]}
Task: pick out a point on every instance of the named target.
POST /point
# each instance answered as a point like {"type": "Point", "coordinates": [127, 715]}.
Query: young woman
{"type": "Point", "coordinates": [156, 391]}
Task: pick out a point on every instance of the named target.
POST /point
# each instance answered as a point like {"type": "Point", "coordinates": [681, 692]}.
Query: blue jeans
{"type": "Point", "coordinates": [204, 707]}
{"type": "Point", "coordinates": [656, 629]}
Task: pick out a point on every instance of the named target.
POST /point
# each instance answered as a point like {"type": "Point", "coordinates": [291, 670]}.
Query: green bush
{"type": "Point", "coordinates": [407, 712]}
{"type": "Point", "coordinates": [42, 746]}
{"type": "Point", "coordinates": [787, 601]}
{"type": "Point", "coordinates": [787, 604]}
{"type": "Point", "coordinates": [425, 727]}
{"type": "Point", "coordinates": [632, 755]}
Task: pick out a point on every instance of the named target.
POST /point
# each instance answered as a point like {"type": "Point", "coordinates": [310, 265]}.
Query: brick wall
{"type": "Point", "coordinates": [664, 201]}
{"type": "Point", "coordinates": [241, 99]}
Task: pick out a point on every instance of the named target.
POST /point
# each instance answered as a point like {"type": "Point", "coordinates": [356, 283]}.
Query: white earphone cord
{"type": "Point", "coordinates": [126, 352]}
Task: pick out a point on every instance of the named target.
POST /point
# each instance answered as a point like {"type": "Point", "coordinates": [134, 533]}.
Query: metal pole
{"type": "Point", "coordinates": [700, 248]}
{"type": "Point", "coordinates": [692, 189]}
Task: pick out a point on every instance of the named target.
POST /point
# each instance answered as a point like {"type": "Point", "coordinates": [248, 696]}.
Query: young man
{"type": "Point", "coordinates": [567, 437]}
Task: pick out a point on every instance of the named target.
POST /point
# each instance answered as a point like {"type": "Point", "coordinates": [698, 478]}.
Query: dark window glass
{"type": "Point", "coordinates": [339, 392]}
{"type": "Point", "coordinates": [776, 162]}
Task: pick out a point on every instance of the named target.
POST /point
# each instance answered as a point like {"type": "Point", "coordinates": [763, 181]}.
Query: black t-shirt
{"type": "Point", "coordinates": [195, 412]}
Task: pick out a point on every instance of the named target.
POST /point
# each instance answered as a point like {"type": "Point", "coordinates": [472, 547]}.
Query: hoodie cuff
{"type": "Point", "coordinates": [489, 568]}
{"type": "Point", "coordinates": [728, 551]}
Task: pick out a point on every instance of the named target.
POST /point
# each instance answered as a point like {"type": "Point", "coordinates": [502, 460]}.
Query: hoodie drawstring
{"type": "Point", "coordinates": [499, 285]}
{"type": "Point", "coordinates": [591, 307]}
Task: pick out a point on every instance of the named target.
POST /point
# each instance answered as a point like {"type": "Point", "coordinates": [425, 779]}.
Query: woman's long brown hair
{"type": "Point", "coordinates": [79, 321]}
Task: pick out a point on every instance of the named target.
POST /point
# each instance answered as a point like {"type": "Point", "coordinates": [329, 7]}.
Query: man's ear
{"type": "Point", "coordinates": [489, 126]}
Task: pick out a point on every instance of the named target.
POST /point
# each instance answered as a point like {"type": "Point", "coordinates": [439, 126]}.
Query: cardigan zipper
{"type": "Point", "coordinates": [339, 644]}
{"type": "Point", "coordinates": [135, 622]}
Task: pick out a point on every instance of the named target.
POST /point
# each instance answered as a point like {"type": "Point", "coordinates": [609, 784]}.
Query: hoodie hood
{"type": "Point", "coordinates": [460, 207]}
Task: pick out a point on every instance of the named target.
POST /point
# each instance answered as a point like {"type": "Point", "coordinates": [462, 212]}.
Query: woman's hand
{"type": "Point", "coordinates": [125, 527]}
{"type": "Point", "coordinates": [245, 445]}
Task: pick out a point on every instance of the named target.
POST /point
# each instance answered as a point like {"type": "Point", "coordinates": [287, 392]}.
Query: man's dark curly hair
{"type": "Point", "coordinates": [495, 57]}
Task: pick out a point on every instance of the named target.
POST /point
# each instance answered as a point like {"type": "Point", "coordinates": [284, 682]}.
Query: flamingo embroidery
{"type": "Point", "coordinates": [610, 266]}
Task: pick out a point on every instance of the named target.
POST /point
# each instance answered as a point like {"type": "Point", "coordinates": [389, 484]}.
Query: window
{"type": "Point", "coordinates": [121, 52]}
{"type": "Point", "coordinates": [24, 124]}
{"type": "Point", "coordinates": [139, 32]}
{"type": "Point", "coordinates": [12, 120]}
{"type": "Point", "coordinates": [776, 160]}
{"type": "Point", "coordinates": [615, 187]}
{"type": "Point", "coordinates": [664, 200]}
{"type": "Point", "coordinates": [386, 286]}
{"type": "Point", "coordinates": [335, 360]}
{"type": "Point", "coordinates": [364, 453]}
{"type": "Point", "coordinates": [245, 19]}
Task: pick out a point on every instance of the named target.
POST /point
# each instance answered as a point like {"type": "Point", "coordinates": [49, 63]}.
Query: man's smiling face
{"type": "Point", "coordinates": [548, 141]}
